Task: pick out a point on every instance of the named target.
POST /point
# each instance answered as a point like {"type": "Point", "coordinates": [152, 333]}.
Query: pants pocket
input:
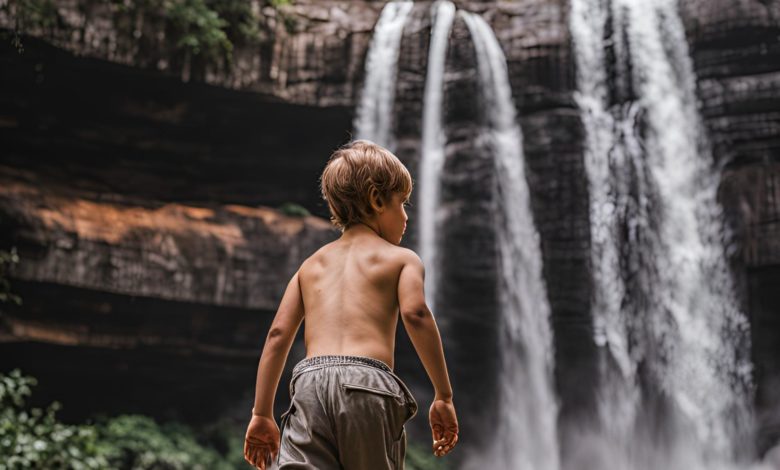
{"type": "Point", "coordinates": [395, 408]}
{"type": "Point", "coordinates": [283, 419]}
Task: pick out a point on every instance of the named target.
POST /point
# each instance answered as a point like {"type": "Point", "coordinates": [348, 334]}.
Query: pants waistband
{"type": "Point", "coordinates": [316, 362]}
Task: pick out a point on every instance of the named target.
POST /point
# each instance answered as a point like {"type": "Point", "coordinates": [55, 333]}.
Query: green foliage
{"type": "Point", "coordinates": [6, 260]}
{"type": "Point", "coordinates": [29, 14]}
{"type": "Point", "coordinates": [243, 25]}
{"type": "Point", "coordinates": [138, 442]}
{"type": "Point", "coordinates": [294, 210]}
{"type": "Point", "coordinates": [420, 457]}
{"type": "Point", "coordinates": [209, 29]}
{"type": "Point", "coordinates": [289, 21]}
{"type": "Point", "coordinates": [34, 439]}
{"type": "Point", "coordinates": [199, 29]}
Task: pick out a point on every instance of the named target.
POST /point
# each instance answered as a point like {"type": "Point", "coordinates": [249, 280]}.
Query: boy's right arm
{"type": "Point", "coordinates": [420, 324]}
{"type": "Point", "coordinates": [424, 334]}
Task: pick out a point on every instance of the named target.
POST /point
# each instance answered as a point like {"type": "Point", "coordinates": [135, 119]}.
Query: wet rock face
{"type": "Point", "coordinates": [309, 52]}
{"type": "Point", "coordinates": [227, 255]}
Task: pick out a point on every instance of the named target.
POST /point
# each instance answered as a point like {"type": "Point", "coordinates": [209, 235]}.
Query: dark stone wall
{"type": "Point", "coordinates": [124, 133]}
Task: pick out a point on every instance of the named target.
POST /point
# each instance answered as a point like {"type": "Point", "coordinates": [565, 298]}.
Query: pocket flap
{"type": "Point", "coordinates": [366, 388]}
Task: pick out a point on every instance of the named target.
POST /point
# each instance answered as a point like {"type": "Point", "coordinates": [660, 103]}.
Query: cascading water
{"type": "Point", "coordinates": [526, 432]}
{"type": "Point", "coordinates": [433, 141]}
{"type": "Point", "coordinates": [663, 298]}
{"type": "Point", "coordinates": [374, 116]}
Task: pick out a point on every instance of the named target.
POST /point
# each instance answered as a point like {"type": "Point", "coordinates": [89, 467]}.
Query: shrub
{"type": "Point", "coordinates": [294, 210]}
{"type": "Point", "coordinates": [138, 442]}
{"type": "Point", "coordinates": [8, 259]}
{"type": "Point", "coordinates": [34, 439]}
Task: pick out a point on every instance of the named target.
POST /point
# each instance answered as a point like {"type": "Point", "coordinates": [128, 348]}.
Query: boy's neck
{"type": "Point", "coordinates": [361, 227]}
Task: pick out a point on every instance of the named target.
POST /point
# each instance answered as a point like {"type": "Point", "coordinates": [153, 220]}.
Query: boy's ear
{"type": "Point", "coordinates": [376, 202]}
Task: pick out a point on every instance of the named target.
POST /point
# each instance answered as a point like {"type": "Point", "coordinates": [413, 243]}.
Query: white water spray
{"type": "Point", "coordinates": [663, 296]}
{"type": "Point", "coordinates": [525, 435]}
{"type": "Point", "coordinates": [433, 142]}
{"type": "Point", "coordinates": [374, 116]}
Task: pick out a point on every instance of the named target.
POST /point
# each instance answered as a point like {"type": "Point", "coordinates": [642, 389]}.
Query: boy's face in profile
{"type": "Point", "coordinates": [392, 220]}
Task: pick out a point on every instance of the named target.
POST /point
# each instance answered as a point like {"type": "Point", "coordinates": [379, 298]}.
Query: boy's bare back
{"type": "Point", "coordinates": [350, 295]}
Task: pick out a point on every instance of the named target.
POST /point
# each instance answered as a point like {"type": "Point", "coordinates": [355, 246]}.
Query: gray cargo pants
{"type": "Point", "coordinates": [346, 412]}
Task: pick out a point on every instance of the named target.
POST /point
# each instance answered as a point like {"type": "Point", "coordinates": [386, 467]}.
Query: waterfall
{"type": "Point", "coordinates": [663, 298]}
{"type": "Point", "coordinates": [374, 116]}
{"type": "Point", "coordinates": [526, 436]}
{"type": "Point", "coordinates": [433, 141]}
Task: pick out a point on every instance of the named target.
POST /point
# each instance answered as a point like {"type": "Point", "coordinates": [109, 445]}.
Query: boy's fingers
{"type": "Point", "coordinates": [449, 438]}
{"type": "Point", "coordinates": [444, 450]}
{"type": "Point", "coordinates": [247, 450]}
{"type": "Point", "coordinates": [445, 445]}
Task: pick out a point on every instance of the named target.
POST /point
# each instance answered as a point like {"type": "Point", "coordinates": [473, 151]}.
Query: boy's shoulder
{"type": "Point", "coordinates": [389, 252]}
{"type": "Point", "coordinates": [408, 255]}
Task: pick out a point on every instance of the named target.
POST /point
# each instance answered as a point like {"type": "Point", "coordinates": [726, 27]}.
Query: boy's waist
{"type": "Point", "coordinates": [316, 362]}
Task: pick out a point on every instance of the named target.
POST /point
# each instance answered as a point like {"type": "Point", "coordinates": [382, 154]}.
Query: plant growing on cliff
{"type": "Point", "coordinates": [195, 27]}
{"type": "Point", "coordinates": [30, 14]}
{"type": "Point", "coordinates": [203, 32]}
{"type": "Point", "coordinates": [293, 210]}
{"type": "Point", "coordinates": [7, 260]}
{"type": "Point", "coordinates": [199, 29]}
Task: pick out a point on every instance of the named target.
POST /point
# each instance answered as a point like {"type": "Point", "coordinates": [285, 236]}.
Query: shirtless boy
{"type": "Point", "coordinates": [348, 408]}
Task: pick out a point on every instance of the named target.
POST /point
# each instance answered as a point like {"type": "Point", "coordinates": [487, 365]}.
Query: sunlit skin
{"type": "Point", "coordinates": [355, 289]}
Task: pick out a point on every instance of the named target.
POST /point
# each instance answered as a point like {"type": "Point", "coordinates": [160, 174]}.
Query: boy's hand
{"type": "Point", "coordinates": [262, 442]}
{"type": "Point", "coordinates": [444, 425]}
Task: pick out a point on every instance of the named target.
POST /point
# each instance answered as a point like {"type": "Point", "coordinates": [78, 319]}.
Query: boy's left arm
{"type": "Point", "coordinates": [278, 342]}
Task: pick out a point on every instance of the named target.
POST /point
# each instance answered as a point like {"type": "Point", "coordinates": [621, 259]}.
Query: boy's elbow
{"type": "Point", "coordinates": [416, 315]}
{"type": "Point", "coordinates": [277, 336]}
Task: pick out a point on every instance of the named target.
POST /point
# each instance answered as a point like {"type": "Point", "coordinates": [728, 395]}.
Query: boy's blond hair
{"type": "Point", "coordinates": [352, 171]}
